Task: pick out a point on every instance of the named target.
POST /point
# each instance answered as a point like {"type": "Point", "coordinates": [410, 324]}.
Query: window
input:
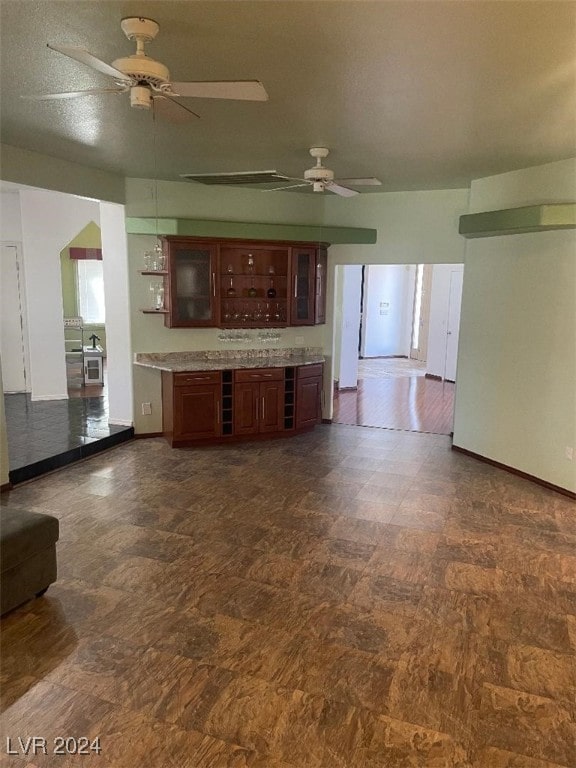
{"type": "Point", "coordinates": [90, 284]}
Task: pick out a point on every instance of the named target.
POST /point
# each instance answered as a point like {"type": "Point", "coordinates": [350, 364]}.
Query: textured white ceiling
{"type": "Point", "coordinates": [420, 94]}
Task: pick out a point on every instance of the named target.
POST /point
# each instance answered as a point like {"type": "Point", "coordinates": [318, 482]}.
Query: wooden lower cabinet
{"type": "Point", "coordinates": [219, 406]}
{"type": "Point", "coordinates": [258, 401]}
{"type": "Point", "coordinates": [308, 396]}
{"type": "Point", "coordinates": [191, 404]}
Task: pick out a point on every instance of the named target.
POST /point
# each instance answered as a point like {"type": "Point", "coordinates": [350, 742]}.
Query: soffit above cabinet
{"type": "Point", "coordinates": [516, 221]}
{"type": "Point", "coordinates": [248, 230]}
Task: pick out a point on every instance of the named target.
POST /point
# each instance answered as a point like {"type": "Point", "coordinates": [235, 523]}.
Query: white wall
{"type": "Point", "coordinates": [4, 461]}
{"type": "Point", "coordinates": [49, 221]}
{"type": "Point", "coordinates": [388, 295]}
{"type": "Point", "coordinates": [516, 393]}
{"type": "Point", "coordinates": [351, 278]}
{"type": "Point", "coordinates": [116, 297]}
{"type": "Point", "coordinates": [438, 324]}
{"type": "Point", "coordinates": [10, 217]}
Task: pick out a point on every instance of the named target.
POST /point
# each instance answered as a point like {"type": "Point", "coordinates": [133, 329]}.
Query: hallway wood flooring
{"type": "Point", "coordinates": [412, 403]}
{"type": "Point", "coordinates": [348, 598]}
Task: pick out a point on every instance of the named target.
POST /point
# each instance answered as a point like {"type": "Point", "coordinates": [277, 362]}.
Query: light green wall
{"type": "Point", "coordinates": [23, 166]}
{"type": "Point", "coordinates": [516, 382]}
{"type": "Point", "coordinates": [413, 227]}
{"type": "Point", "coordinates": [199, 201]}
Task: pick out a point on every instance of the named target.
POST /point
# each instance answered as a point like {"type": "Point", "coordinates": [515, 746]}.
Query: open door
{"type": "Point", "coordinates": [14, 333]}
{"type": "Point", "coordinates": [453, 324]}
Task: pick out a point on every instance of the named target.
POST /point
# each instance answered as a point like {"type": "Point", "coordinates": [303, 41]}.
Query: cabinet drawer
{"type": "Point", "coordinates": [259, 374]}
{"type": "Point", "coordinates": [202, 377]}
{"type": "Point", "coordinates": [308, 371]}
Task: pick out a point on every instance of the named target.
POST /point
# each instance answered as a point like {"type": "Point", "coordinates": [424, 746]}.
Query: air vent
{"type": "Point", "coordinates": [244, 177]}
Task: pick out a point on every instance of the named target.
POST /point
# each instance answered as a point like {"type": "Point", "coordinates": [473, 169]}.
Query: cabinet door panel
{"type": "Point", "coordinates": [303, 286]}
{"type": "Point", "coordinates": [192, 284]}
{"type": "Point", "coordinates": [245, 405]}
{"type": "Point", "coordinates": [271, 406]}
{"type": "Point", "coordinates": [197, 411]}
{"type": "Point", "coordinates": [321, 267]}
{"type": "Point", "coordinates": [308, 396]}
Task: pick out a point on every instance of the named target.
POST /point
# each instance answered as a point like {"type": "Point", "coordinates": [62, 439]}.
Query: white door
{"type": "Point", "coordinates": [453, 325]}
{"type": "Point", "coordinates": [13, 331]}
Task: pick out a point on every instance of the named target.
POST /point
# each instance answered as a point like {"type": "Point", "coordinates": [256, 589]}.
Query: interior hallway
{"type": "Point", "coordinates": [349, 598]}
{"type": "Point", "coordinates": [393, 393]}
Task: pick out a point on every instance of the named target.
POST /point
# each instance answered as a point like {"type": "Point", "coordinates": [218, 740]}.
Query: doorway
{"type": "Point", "coordinates": [404, 374]}
{"type": "Point", "coordinates": [46, 426]}
{"type": "Point", "coordinates": [13, 329]}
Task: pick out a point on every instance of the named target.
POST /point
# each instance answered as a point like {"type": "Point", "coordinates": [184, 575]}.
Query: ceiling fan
{"type": "Point", "coordinates": [146, 79]}
{"type": "Point", "coordinates": [319, 178]}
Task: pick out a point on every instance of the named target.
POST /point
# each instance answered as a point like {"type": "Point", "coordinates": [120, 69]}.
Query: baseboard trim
{"type": "Point", "coordinates": [42, 398]}
{"type": "Point", "coordinates": [121, 422]}
{"type": "Point", "coordinates": [6, 487]}
{"type": "Point", "coordinates": [514, 471]}
{"type": "Point", "coordinates": [326, 421]}
{"type": "Point", "coordinates": [432, 376]}
{"type": "Point", "coordinates": [146, 435]}
{"type": "Point", "coordinates": [347, 389]}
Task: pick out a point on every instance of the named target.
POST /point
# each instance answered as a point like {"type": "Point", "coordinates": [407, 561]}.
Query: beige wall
{"type": "Point", "coordinates": [516, 385]}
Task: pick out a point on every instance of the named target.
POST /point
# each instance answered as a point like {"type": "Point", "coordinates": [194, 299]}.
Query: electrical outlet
{"type": "Point", "coordinates": [569, 452]}
{"type": "Point", "coordinates": [299, 340]}
{"type": "Point", "coordinates": [146, 409]}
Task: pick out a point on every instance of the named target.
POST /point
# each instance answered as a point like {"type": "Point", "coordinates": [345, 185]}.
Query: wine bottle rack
{"type": "Point", "coordinates": [289, 398]}
{"type": "Point", "coordinates": [227, 403]}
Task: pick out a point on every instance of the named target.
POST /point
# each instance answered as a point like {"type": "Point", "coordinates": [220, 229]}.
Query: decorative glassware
{"type": "Point", "coordinates": [250, 264]}
{"type": "Point", "coordinates": [252, 290]}
{"type": "Point", "coordinates": [160, 296]}
{"type": "Point", "coordinates": [271, 292]}
{"type": "Point", "coordinates": [231, 290]}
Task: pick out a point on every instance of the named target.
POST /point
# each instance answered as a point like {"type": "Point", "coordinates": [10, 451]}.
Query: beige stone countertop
{"type": "Point", "coordinates": [178, 362]}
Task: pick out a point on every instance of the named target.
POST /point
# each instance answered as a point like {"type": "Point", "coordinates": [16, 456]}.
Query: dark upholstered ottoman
{"type": "Point", "coordinates": [27, 555]}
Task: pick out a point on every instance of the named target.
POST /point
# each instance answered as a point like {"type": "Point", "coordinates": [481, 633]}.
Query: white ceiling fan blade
{"type": "Point", "coordinates": [342, 191]}
{"type": "Point", "coordinates": [248, 90]}
{"type": "Point", "coordinates": [163, 103]}
{"type": "Point", "coordinates": [73, 94]}
{"type": "Point", "coordinates": [84, 57]}
{"type": "Point", "coordinates": [290, 186]}
{"type": "Point", "coordinates": [369, 182]}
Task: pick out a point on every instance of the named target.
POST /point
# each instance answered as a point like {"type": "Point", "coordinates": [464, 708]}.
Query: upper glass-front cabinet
{"type": "Point", "coordinates": [191, 283]}
{"type": "Point", "coordinates": [303, 286]}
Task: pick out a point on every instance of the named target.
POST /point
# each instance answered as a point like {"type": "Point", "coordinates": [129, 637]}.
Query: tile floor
{"type": "Point", "coordinates": [45, 435]}
{"type": "Point", "coordinates": [348, 598]}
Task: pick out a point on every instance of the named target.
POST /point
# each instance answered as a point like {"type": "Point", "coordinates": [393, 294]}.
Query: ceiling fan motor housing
{"type": "Point", "coordinates": [319, 174]}
{"type": "Point", "coordinates": [143, 69]}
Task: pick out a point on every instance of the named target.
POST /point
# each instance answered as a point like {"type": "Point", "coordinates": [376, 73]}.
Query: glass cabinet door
{"type": "Point", "coordinates": [192, 284]}
{"type": "Point", "coordinates": [303, 283]}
